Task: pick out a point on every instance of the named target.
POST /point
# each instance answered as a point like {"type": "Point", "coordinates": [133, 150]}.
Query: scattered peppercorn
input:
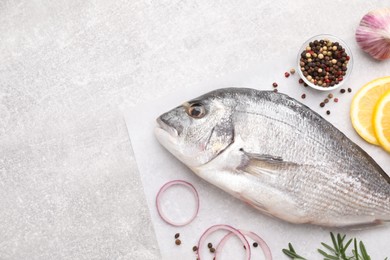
{"type": "Point", "coordinates": [303, 96]}
{"type": "Point", "coordinates": [300, 81]}
{"type": "Point", "coordinates": [292, 71]}
{"type": "Point", "coordinates": [328, 112]}
{"type": "Point", "coordinates": [336, 100]}
{"type": "Point", "coordinates": [209, 245]}
{"type": "Point", "coordinates": [276, 90]}
{"type": "Point", "coordinates": [342, 91]}
{"type": "Point", "coordinates": [330, 95]}
{"type": "Point", "coordinates": [194, 248]}
{"type": "Point", "coordinates": [326, 100]}
{"type": "Point", "coordinates": [212, 250]}
{"type": "Point", "coordinates": [177, 242]}
{"type": "Point", "coordinates": [286, 74]}
{"type": "Point", "coordinates": [274, 84]}
{"type": "Point", "coordinates": [322, 104]}
{"type": "Point", "coordinates": [255, 244]}
{"type": "Point", "coordinates": [177, 235]}
{"type": "Point", "coordinates": [349, 90]}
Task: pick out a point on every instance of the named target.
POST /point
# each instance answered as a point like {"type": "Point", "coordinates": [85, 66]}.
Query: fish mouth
{"type": "Point", "coordinates": [161, 124]}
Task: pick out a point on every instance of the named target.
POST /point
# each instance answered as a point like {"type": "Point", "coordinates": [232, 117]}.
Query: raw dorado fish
{"type": "Point", "coordinates": [279, 156]}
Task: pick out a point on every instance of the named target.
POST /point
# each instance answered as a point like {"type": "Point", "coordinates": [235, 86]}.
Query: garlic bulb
{"type": "Point", "coordinates": [373, 33]}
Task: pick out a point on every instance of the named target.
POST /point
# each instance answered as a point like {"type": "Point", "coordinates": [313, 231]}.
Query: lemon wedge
{"type": "Point", "coordinates": [363, 106]}
{"type": "Point", "coordinates": [382, 121]}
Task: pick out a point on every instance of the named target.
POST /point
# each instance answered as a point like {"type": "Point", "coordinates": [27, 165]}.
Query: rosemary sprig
{"type": "Point", "coordinates": [290, 252]}
{"type": "Point", "coordinates": [338, 250]}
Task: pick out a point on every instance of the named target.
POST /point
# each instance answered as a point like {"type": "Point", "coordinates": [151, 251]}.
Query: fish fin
{"type": "Point", "coordinates": [259, 164]}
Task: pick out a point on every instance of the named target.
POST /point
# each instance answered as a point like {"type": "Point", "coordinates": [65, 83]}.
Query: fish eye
{"type": "Point", "coordinates": [196, 110]}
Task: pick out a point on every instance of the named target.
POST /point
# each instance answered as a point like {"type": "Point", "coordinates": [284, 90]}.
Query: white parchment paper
{"type": "Point", "coordinates": [157, 166]}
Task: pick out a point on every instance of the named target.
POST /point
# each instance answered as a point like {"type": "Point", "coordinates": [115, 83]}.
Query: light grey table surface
{"type": "Point", "coordinates": [69, 185]}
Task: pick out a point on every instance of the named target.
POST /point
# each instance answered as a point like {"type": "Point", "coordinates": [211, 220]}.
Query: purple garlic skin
{"type": "Point", "coordinates": [373, 33]}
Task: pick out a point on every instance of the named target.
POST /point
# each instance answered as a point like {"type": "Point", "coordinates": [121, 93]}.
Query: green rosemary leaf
{"type": "Point", "coordinates": [340, 240]}
{"type": "Point", "coordinates": [326, 255]}
{"type": "Point", "coordinates": [289, 253]}
{"type": "Point", "coordinates": [363, 251]}
{"type": "Point", "coordinates": [292, 255]}
{"type": "Point", "coordinates": [291, 247]}
{"type": "Point", "coordinates": [347, 245]}
{"type": "Point", "coordinates": [328, 247]}
{"type": "Point", "coordinates": [355, 252]}
{"type": "Point", "coordinates": [334, 242]}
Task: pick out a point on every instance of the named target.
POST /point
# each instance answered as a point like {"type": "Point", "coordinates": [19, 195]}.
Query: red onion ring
{"type": "Point", "coordinates": [233, 231]}
{"type": "Point", "coordinates": [263, 245]}
{"type": "Point", "coordinates": [167, 186]}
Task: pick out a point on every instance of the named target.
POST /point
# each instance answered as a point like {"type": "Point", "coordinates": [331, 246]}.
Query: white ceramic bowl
{"type": "Point", "coordinates": [333, 39]}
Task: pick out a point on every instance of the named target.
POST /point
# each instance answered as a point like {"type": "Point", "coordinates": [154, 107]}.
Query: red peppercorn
{"type": "Point", "coordinates": [347, 57]}
{"type": "Point", "coordinates": [303, 96]}
{"type": "Point", "coordinates": [286, 74]}
{"type": "Point", "coordinates": [274, 84]}
{"type": "Point", "coordinates": [336, 100]}
{"type": "Point", "coordinates": [340, 79]}
{"type": "Point", "coordinates": [300, 81]}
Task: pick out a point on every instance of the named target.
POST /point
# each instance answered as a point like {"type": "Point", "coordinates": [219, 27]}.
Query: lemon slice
{"type": "Point", "coordinates": [363, 106]}
{"type": "Point", "coordinates": [382, 121]}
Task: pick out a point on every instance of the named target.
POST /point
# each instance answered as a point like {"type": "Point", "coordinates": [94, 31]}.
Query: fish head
{"type": "Point", "coordinates": [197, 131]}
